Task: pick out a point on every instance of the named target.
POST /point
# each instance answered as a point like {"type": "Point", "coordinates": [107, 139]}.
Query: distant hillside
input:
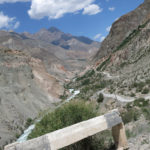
{"type": "Point", "coordinates": [66, 41]}
{"type": "Point", "coordinates": [62, 54]}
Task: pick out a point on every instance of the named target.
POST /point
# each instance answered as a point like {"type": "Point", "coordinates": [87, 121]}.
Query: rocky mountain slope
{"type": "Point", "coordinates": [122, 28]}
{"type": "Point", "coordinates": [26, 89]}
{"type": "Point", "coordinates": [130, 60]}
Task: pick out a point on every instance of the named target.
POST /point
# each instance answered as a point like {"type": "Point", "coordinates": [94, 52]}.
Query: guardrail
{"type": "Point", "coordinates": [72, 134]}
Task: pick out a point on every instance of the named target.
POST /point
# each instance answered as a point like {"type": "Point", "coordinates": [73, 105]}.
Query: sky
{"type": "Point", "coordinates": [91, 18]}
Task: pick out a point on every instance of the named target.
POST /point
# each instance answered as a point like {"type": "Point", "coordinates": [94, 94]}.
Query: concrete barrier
{"type": "Point", "coordinates": [72, 134]}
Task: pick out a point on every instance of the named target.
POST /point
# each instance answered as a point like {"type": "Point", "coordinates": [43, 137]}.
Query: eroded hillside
{"type": "Point", "coordinates": [26, 89]}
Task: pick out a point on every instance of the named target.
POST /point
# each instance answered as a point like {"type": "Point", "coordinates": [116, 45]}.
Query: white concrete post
{"type": "Point", "coordinates": [119, 136]}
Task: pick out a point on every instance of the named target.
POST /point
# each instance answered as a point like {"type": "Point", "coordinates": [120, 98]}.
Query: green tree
{"type": "Point", "coordinates": [100, 98]}
{"type": "Point", "coordinates": [145, 91]}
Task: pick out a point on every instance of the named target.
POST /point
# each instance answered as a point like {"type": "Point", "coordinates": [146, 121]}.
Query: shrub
{"type": "Point", "coordinates": [29, 122]}
{"type": "Point", "coordinates": [132, 95]}
{"type": "Point", "coordinates": [90, 73]}
{"type": "Point", "coordinates": [86, 75]}
{"type": "Point", "coordinates": [67, 115]}
{"type": "Point", "coordinates": [63, 97]}
{"type": "Point", "coordinates": [128, 39]}
{"type": "Point", "coordinates": [103, 64]}
{"type": "Point", "coordinates": [145, 91]}
{"type": "Point", "coordinates": [130, 134]}
{"type": "Point", "coordinates": [130, 115]}
{"type": "Point", "coordinates": [17, 135]}
{"type": "Point", "coordinates": [100, 98]}
{"type": "Point", "coordinates": [85, 82]}
{"type": "Point", "coordinates": [146, 112]}
{"type": "Point", "coordinates": [148, 81]}
{"type": "Point", "coordinates": [139, 86]}
{"type": "Point", "coordinates": [141, 102]}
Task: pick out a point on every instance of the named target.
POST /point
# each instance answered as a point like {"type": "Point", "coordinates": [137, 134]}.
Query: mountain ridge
{"type": "Point", "coordinates": [61, 53]}
{"type": "Point", "coordinates": [55, 36]}
{"type": "Point", "coordinates": [122, 28]}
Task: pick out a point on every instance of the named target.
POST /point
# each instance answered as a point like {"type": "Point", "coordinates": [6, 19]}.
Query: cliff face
{"type": "Point", "coordinates": [123, 27]}
{"type": "Point", "coordinates": [25, 91]}
{"type": "Point", "coordinates": [132, 60]}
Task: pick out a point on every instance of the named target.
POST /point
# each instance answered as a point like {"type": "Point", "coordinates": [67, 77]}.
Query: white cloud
{"type": "Point", "coordinates": [13, 1]}
{"type": "Point", "coordinates": [102, 38]}
{"type": "Point", "coordinates": [16, 25]}
{"type": "Point", "coordinates": [97, 36]}
{"type": "Point", "coordinates": [8, 22]}
{"type": "Point", "coordinates": [111, 8]}
{"type": "Point", "coordinates": [92, 9]}
{"type": "Point", "coordinates": [116, 19]}
{"type": "Point", "coordinates": [55, 9]}
{"type": "Point", "coordinates": [108, 28]}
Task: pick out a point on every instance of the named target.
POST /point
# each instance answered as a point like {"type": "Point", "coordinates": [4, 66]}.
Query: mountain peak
{"type": "Point", "coordinates": [53, 29]}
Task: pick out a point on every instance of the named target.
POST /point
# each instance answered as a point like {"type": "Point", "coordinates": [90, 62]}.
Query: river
{"type": "Point", "coordinates": [26, 133]}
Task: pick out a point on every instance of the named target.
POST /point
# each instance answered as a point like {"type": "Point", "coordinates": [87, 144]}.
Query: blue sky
{"type": "Point", "coordinates": [91, 18]}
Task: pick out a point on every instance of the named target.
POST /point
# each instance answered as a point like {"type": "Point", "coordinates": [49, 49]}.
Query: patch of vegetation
{"type": "Point", "coordinates": [67, 86]}
{"type": "Point", "coordinates": [135, 61]}
{"type": "Point", "coordinates": [131, 36]}
{"type": "Point", "coordinates": [86, 75]}
{"type": "Point", "coordinates": [102, 84]}
{"type": "Point", "coordinates": [29, 122]}
{"type": "Point", "coordinates": [103, 65]}
{"type": "Point", "coordinates": [141, 102]}
{"type": "Point", "coordinates": [148, 81]}
{"type": "Point", "coordinates": [135, 109]}
{"type": "Point", "coordinates": [132, 95]}
{"type": "Point", "coordinates": [128, 39]}
{"type": "Point", "coordinates": [146, 112]}
{"type": "Point", "coordinates": [112, 89]}
{"type": "Point", "coordinates": [90, 73]}
{"type": "Point", "coordinates": [63, 97]}
{"type": "Point", "coordinates": [132, 114]}
{"type": "Point", "coordinates": [145, 141]}
{"type": "Point", "coordinates": [17, 135]}
{"type": "Point", "coordinates": [130, 134]}
{"type": "Point", "coordinates": [67, 115]}
{"type": "Point", "coordinates": [85, 82]}
{"type": "Point", "coordinates": [145, 91]}
{"type": "Point", "coordinates": [123, 64]}
{"type": "Point", "coordinates": [103, 141]}
{"type": "Point", "coordinates": [143, 25]}
{"type": "Point", "coordinates": [139, 86]}
{"type": "Point", "coordinates": [100, 98]}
